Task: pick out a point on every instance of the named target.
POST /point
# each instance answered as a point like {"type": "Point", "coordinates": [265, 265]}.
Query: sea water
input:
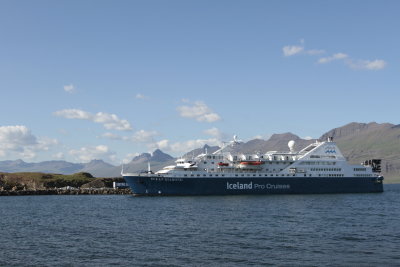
{"type": "Point", "coordinates": [277, 230]}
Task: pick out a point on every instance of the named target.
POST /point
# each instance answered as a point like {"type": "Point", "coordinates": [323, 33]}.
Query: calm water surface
{"type": "Point", "coordinates": [287, 230]}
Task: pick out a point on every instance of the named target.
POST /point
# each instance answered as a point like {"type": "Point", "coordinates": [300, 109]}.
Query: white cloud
{"type": "Point", "coordinates": [199, 111]}
{"type": "Point", "coordinates": [140, 136]}
{"type": "Point", "coordinates": [291, 50]}
{"type": "Point", "coordinates": [143, 136]}
{"type": "Point", "coordinates": [46, 143]}
{"type": "Point", "coordinates": [141, 96]}
{"type": "Point", "coordinates": [16, 138]}
{"type": "Point", "coordinates": [112, 122]}
{"type": "Point", "coordinates": [163, 145]}
{"type": "Point", "coordinates": [184, 147]}
{"type": "Point", "coordinates": [74, 114]}
{"type": "Point", "coordinates": [19, 141]}
{"type": "Point", "coordinates": [69, 88]}
{"type": "Point", "coordinates": [128, 158]}
{"type": "Point", "coordinates": [58, 156]}
{"type": "Point", "coordinates": [307, 138]}
{"type": "Point", "coordinates": [112, 136]}
{"type": "Point", "coordinates": [215, 132]}
{"type": "Point", "coordinates": [86, 154]}
{"type": "Point", "coordinates": [109, 121]}
{"type": "Point", "coordinates": [377, 64]}
{"type": "Point", "coordinates": [336, 56]}
{"type": "Point", "coordinates": [263, 137]}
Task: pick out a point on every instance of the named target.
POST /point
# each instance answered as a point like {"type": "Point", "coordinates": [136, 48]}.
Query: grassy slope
{"type": "Point", "coordinates": [34, 180]}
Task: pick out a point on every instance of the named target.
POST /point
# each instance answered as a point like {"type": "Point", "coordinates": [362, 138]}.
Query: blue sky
{"type": "Point", "coordinates": [84, 80]}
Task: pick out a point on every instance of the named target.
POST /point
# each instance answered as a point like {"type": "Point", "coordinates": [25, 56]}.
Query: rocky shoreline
{"type": "Point", "coordinates": [61, 191]}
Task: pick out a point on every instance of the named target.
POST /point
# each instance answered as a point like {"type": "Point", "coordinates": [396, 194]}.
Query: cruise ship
{"type": "Point", "coordinates": [318, 168]}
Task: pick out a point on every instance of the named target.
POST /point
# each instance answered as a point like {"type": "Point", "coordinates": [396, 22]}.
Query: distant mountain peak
{"type": "Point", "coordinates": [157, 152]}
{"type": "Point", "coordinates": [283, 136]}
{"type": "Point", "coordinates": [97, 162]}
{"type": "Point", "coordinates": [160, 156]}
{"type": "Point", "coordinates": [142, 156]}
{"type": "Point", "coordinates": [157, 155]}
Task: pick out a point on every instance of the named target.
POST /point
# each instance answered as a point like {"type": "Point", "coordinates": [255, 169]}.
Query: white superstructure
{"type": "Point", "coordinates": [320, 159]}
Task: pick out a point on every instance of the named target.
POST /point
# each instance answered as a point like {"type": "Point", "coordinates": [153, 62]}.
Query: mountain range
{"type": "Point", "coordinates": [357, 141]}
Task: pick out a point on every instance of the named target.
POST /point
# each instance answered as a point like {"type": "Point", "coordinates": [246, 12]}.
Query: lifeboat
{"type": "Point", "coordinates": [252, 163]}
{"type": "Point", "coordinates": [249, 164]}
{"type": "Point", "coordinates": [223, 164]}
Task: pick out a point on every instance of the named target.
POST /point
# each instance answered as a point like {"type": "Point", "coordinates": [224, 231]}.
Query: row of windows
{"type": "Point", "coordinates": [267, 170]}
{"type": "Point", "coordinates": [205, 162]}
{"type": "Point", "coordinates": [215, 157]}
{"type": "Point", "coordinates": [237, 175]}
{"type": "Point", "coordinates": [284, 162]}
{"type": "Point", "coordinates": [326, 170]}
{"type": "Point", "coordinates": [360, 169]}
{"type": "Point", "coordinates": [362, 175]}
{"type": "Point", "coordinates": [318, 157]}
{"type": "Point", "coordinates": [318, 163]}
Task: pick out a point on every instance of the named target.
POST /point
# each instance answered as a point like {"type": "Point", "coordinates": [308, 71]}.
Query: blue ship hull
{"type": "Point", "coordinates": [159, 185]}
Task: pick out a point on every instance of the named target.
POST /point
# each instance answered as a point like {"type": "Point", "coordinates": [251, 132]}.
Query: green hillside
{"type": "Point", "coordinates": [34, 180]}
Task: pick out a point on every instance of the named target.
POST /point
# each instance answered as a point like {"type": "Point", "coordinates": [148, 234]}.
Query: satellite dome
{"type": "Point", "coordinates": [291, 145]}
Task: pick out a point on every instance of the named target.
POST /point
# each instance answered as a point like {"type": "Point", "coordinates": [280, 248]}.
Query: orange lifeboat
{"type": "Point", "coordinates": [252, 163]}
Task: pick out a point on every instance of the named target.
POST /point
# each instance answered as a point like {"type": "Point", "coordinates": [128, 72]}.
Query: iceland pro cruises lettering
{"type": "Point", "coordinates": [244, 186]}
{"type": "Point", "coordinates": [239, 185]}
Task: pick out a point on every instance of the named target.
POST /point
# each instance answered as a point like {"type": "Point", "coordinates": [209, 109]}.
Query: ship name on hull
{"type": "Point", "coordinates": [244, 186]}
{"type": "Point", "coordinates": [239, 185]}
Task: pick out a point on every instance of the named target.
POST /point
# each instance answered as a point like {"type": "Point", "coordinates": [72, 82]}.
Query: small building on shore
{"type": "Point", "coordinates": [117, 185]}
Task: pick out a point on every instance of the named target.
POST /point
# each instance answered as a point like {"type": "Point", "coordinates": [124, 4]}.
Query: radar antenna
{"type": "Point", "coordinates": [236, 140]}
